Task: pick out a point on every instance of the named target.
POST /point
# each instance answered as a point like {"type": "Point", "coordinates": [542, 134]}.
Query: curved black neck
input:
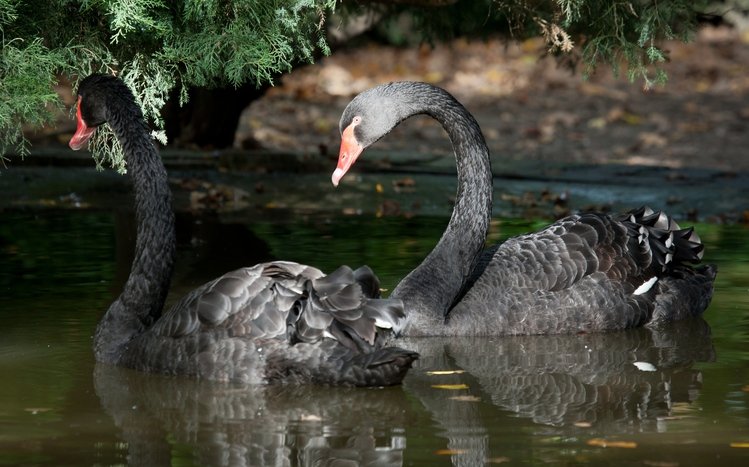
{"type": "Point", "coordinates": [145, 291]}
{"type": "Point", "coordinates": [430, 290]}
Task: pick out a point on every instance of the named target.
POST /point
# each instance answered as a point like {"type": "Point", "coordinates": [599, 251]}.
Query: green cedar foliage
{"type": "Point", "coordinates": [617, 32]}
{"type": "Point", "coordinates": [624, 34]}
{"type": "Point", "coordinates": [157, 46]}
{"type": "Point", "coordinates": [154, 45]}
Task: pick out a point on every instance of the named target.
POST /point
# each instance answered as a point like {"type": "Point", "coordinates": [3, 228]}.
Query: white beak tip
{"type": "Point", "coordinates": [337, 176]}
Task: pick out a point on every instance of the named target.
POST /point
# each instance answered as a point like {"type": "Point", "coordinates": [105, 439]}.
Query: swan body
{"type": "Point", "coordinates": [586, 272]}
{"type": "Point", "coordinates": [273, 322]}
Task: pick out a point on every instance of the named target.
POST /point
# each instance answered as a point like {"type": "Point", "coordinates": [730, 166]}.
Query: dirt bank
{"type": "Point", "coordinates": [531, 108]}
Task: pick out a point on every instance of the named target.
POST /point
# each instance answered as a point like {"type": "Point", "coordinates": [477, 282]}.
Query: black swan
{"type": "Point", "coordinates": [586, 272]}
{"type": "Point", "coordinates": [274, 322]}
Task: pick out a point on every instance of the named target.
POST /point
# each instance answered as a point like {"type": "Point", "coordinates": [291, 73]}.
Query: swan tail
{"type": "Point", "coordinates": [661, 237]}
{"type": "Point", "coordinates": [684, 293]}
{"type": "Point", "coordinates": [678, 289]}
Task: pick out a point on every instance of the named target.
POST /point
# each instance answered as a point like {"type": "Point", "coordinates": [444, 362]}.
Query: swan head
{"type": "Point", "coordinates": [370, 116]}
{"type": "Point", "coordinates": [96, 93]}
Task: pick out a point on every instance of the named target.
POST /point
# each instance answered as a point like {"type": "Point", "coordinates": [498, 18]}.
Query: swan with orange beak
{"type": "Point", "coordinates": [351, 148]}
{"type": "Point", "coordinates": [586, 272]}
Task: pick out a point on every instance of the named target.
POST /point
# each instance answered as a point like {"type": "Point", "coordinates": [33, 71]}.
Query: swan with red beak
{"type": "Point", "coordinates": [83, 132]}
{"type": "Point", "coordinates": [275, 322]}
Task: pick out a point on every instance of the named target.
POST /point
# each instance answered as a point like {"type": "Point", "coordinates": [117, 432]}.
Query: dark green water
{"type": "Point", "coordinates": [522, 400]}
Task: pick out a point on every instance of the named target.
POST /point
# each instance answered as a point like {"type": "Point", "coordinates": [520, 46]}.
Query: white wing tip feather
{"type": "Point", "coordinates": [645, 366]}
{"type": "Point", "coordinates": [383, 324]}
{"type": "Point", "coordinates": [647, 285]}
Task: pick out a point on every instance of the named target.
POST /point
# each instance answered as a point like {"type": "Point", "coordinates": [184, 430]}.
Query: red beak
{"type": "Point", "coordinates": [83, 133]}
{"type": "Point", "coordinates": [350, 150]}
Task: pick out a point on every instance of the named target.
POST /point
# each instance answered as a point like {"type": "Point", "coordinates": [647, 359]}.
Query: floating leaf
{"type": "Point", "coordinates": [661, 463]}
{"type": "Point", "coordinates": [671, 417]}
{"type": "Point", "coordinates": [310, 418]}
{"type": "Point", "coordinates": [351, 212]}
{"type": "Point", "coordinates": [466, 398]}
{"type": "Point", "coordinates": [600, 442]}
{"type": "Point", "coordinates": [745, 388]}
{"type": "Point", "coordinates": [497, 460]}
{"type": "Point", "coordinates": [740, 445]}
{"type": "Point", "coordinates": [445, 372]}
{"type": "Point", "coordinates": [449, 452]}
{"type": "Point", "coordinates": [451, 387]}
{"type": "Point", "coordinates": [583, 424]}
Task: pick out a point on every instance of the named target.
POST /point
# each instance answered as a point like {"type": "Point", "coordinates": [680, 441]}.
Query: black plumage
{"type": "Point", "coordinates": [273, 322]}
{"type": "Point", "coordinates": [587, 272]}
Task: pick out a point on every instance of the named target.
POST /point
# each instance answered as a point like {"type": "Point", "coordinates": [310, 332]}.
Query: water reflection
{"type": "Point", "coordinates": [526, 399]}
{"type": "Point", "coordinates": [586, 380]}
{"type": "Point", "coordinates": [244, 425]}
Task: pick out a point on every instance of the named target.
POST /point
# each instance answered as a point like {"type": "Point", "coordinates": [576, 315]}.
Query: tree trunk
{"type": "Point", "coordinates": [209, 119]}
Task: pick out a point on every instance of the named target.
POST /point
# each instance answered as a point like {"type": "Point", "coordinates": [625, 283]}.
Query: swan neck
{"type": "Point", "coordinates": [142, 298]}
{"type": "Point", "coordinates": [436, 284]}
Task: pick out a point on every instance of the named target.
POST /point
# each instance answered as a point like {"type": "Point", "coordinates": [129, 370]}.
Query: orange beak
{"type": "Point", "coordinates": [350, 150]}
{"type": "Point", "coordinates": [83, 133]}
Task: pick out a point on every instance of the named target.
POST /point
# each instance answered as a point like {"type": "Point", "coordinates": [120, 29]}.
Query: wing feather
{"type": "Point", "coordinates": [287, 301]}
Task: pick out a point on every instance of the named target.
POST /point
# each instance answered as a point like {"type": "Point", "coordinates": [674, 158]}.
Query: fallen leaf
{"type": "Point", "coordinates": [600, 442]}
{"type": "Point", "coordinates": [649, 139]}
{"type": "Point", "coordinates": [631, 119]}
{"type": "Point", "coordinates": [597, 123]}
{"type": "Point", "coordinates": [583, 424]}
{"type": "Point", "coordinates": [388, 207]}
{"type": "Point", "coordinates": [593, 89]}
{"type": "Point", "coordinates": [746, 388]}
{"type": "Point", "coordinates": [739, 445]}
{"type": "Point", "coordinates": [433, 77]}
{"type": "Point", "coordinates": [451, 387]}
{"type": "Point", "coordinates": [404, 182]}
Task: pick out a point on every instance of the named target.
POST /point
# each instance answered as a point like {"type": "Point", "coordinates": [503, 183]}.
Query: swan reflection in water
{"type": "Point", "coordinates": [251, 425]}
{"type": "Point", "coordinates": [553, 381]}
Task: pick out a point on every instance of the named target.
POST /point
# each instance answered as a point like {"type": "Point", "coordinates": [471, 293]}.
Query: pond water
{"type": "Point", "coordinates": [521, 400]}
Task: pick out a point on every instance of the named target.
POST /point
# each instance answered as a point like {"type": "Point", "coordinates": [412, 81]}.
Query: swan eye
{"type": "Point", "coordinates": [356, 120]}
